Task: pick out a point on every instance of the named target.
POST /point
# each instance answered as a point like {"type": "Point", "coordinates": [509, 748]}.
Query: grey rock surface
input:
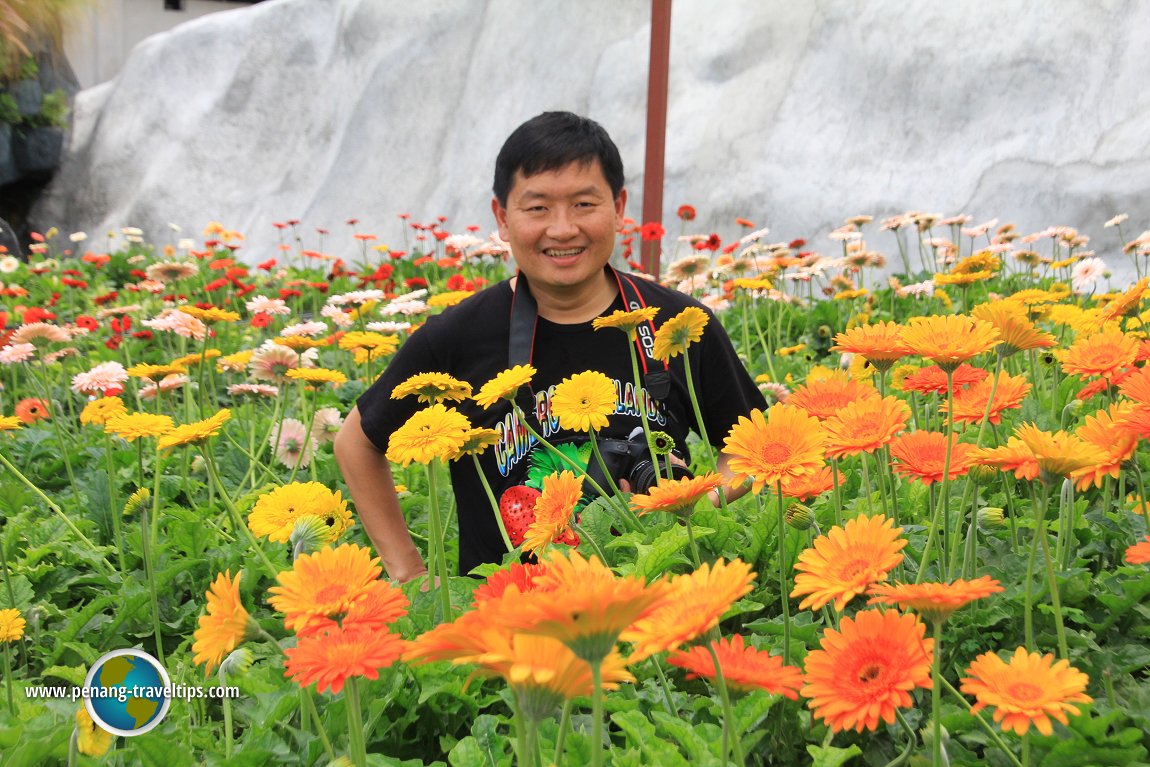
{"type": "Point", "coordinates": [793, 115]}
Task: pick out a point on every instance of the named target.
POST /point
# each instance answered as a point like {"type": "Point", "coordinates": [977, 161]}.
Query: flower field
{"type": "Point", "coordinates": [943, 558]}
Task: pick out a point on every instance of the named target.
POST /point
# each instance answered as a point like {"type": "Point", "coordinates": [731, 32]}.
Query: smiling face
{"type": "Point", "coordinates": [561, 225]}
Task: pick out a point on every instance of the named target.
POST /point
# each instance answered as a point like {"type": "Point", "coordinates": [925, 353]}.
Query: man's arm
{"type": "Point", "coordinates": [368, 475]}
{"type": "Point", "coordinates": [734, 492]}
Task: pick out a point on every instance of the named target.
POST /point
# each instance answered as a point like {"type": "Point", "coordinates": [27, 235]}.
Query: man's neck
{"type": "Point", "coordinates": [582, 304]}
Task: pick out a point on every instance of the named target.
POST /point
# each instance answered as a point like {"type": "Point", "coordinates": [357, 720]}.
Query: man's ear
{"type": "Point", "coordinates": [620, 203]}
{"type": "Point", "coordinates": [500, 214]}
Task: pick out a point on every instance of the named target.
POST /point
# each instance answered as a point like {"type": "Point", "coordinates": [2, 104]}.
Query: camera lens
{"type": "Point", "coordinates": [642, 477]}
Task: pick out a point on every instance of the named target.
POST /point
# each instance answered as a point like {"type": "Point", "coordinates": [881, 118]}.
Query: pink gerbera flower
{"type": "Point", "coordinates": [105, 378]}
{"type": "Point", "coordinates": [293, 446]}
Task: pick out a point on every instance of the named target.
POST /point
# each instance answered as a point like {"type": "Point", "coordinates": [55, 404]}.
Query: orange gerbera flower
{"type": "Point", "coordinates": [518, 576]}
{"type": "Point", "coordinates": [693, 605]}
{"type": "Point", "coordinates": [322, 584]}
{"type": "Point", "coordinates": [1136, 385]}
{"type": "Point", "coordinates": [881, 343]}
{"type": "Point", "coordinates": [970, 403]}
{"type": "Point", "coordinates": [1057, 453]}
{"type": "Point", "coordinates": [1136, 421]}
{"type": "Point", "coordinates": [1030, 689]}
{"type": "Point", "coordinates": [1139, 553]}
{"type": "Point", "coordinates": [825, 396]}
{"type": "Point", "coordinates": [1105, 354]}
{"type": "Point", "coordinates": [1127, 303]}
{"type": "Point", "coordinates": [553, 510]}
{"type": "Point", "coordinates": [745, 668]}
{"type": "Point", "coordinates": [31, 409]}
{"type": "Point", "coordinates": [584, 605]}
{"type": "Point", "coordinates": [807, 487]}
{"type": "Point", "coordinates": [1014, 326]}
{"type": "Point", "coordinates": [329, 659]}
{"type": "Point", "coordinates": [949, 340]}
{"type": "Point", "coordinates": [863, 427]}
{"type": "Point", "coordinates": [224, 625]}
{"type": "Point", "coordinates": [921, 456]}
{"type": "Point", "coordinates": [934, 601]}
{"type": "Point", "coordinates": [866, 670]}
{"type": "Point", "coordinates": [1112, 444]}
{"type": "Point", "coordinates": [677, 496]}
{"type": "Point", "coordinates": [932, 379]}
{"type": "Point", "coordinates": [1013, 456]}
{"type": "Point", "coordinates": [845, 561]}
{"type": "Point", "coordinates": [788, 443]}
{"type": "Point", "coordinates": [376, 609]}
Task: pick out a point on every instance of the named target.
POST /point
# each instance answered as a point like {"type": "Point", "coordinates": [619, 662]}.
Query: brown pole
{"type": "Point", "coordinates": [657, 78]}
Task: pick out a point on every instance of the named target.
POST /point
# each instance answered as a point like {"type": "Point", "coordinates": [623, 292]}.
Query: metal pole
{"type": "Point", "coordinates": [657, 78]}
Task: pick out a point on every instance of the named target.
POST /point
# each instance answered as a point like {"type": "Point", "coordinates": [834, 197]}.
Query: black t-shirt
{"type": "Point", "coordinates": [469, 341]}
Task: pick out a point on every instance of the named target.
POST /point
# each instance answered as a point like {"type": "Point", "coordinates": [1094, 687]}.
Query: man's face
{"type": "Point", "coordinates": [561, 225]}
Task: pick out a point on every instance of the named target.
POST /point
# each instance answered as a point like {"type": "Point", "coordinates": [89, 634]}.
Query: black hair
{"type": "Point", "coordinates": [552, 141]}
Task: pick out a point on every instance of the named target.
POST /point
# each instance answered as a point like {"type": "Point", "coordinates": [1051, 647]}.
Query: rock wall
{"type": "Point", "coordinates": [793, 115]}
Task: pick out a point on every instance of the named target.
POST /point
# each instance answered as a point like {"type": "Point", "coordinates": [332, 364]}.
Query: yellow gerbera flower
{"type": "Point", "coordinates": [433, 387]}
{"type": "Point", "coordinates": [156, 372]}
{"type": "Point", "coordinates": [91, 738]}
{"type": "Point", "coordinates": [276, 513]}
{"type": "Point", "coordinates": [676, 334]}
{"type": "Point", "coordinates": [376, 344]}
{"type": "Point", "coordinates": [193, 433]}
{"type": "Point", "coordinates": [449, 299]}
{"type": "Point", "coordinates": [505, 385]}
{"type": "Point", "coordinates": [10, 423]}
{"type": "Point", "coordinates": [235, 362]}
{"type": "Point", "coordinates": [132, 426]}
{"type": "Point", "coordinates": [434, 432]}
{"type": "Point", "coordinates": [211, 314]}
{"type": "Point", "coordinates": [223, 626]}
{"type": "Point", "coordinates": [194, 359]}
{"type": "Point", "coordinates": [584, 401]}
{"type": "Point", "coordinates": [98, 411]}
{"type": "Point", "coordinates": [317, 375]}
{"type": "Point", "coordinates": [11, 625]}
{"type": "Point", "coordinates": [626, 321]}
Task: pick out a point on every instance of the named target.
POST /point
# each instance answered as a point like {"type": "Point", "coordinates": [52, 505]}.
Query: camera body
{"type": "Point", "coordinates": [630, 460]}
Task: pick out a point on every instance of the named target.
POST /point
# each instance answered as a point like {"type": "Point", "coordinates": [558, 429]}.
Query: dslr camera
{"type": "Point", "coordinates": [630, 460]}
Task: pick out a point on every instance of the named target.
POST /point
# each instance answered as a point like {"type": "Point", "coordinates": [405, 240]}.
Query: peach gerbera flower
{"type": "Point", "coordinates": [1104, 354]}
{"type": "Point", "coordinates": [693, 605]}
{"type": "Point", "coordinates": [881, 343]}
{"type": "Point", "coordinates": [845, 561]}
{"type": "Point", "coordinates": [825, 396]}
{"type": "Point", "coordinates": [863, 427]}
{"type": "Point", "coordinates": [921, 456]}
{"type": "Point", "coordinates": [949, 340]}
{"type": "Point", "coordinates": [745, 668]}
{"type": "Point", "coordinates": [1030, 689]}
{"type": "Point", "coordinates": [807, 487]}
{"type": "Point", "coordinates": [934, 601]}
{"type": "Point", "coordinates": [866, 670]}
{"type": "Point", "coordinates": [787, 443]}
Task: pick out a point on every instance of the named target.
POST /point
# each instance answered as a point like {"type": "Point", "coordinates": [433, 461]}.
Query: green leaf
{"type": "Point", "coordinates": [642, 736]}
{"type": "Point", "coordinates": [659, 556]}
{"type": "Point", "coordinates": [74, 675]}
{"type": "Point", "coordinates": [159, 750]}
{"type": "Point", "coordinates": [830, 756]}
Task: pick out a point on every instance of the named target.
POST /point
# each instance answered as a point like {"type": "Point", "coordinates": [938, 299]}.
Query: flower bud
{"type": "Point", "coordinates": [981, 474]}
{"type": "Point", "coordinates": [991, 518]}
{"type": "Point", "coordinates": [799, 516]}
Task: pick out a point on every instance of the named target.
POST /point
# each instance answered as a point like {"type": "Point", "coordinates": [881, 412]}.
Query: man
{"type": "Point", "coordinates": [559, 201]}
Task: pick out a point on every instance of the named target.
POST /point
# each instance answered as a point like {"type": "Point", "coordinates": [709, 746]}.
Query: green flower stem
{"type": "Point", "coordinates": [668, 702]}
{"type": "Point", "coordinates": [836, 492]}
{"type": "Point", "coordinates": [596, 712]}
{"type": "Point", "coordinates": [583, 536]}
{"type": "Point", "coordinates": [1052, 583]}
{"type": "Point", "coordinates": [936, 698]}
{"type": "Point", "coordinates": [114, 501]}
{"type": "Point", "coordinates": [150, 574]}
{"type": "Point", "coordinates": [994, 735]}
{"type": "Point", "coordinates": [43, 393]}
{"type": "Point", "coordinates": [730, 732]}
{"type": "Point", "coordinates": [436, 534]}
{"type": "Point", "coordinates": [59, 512]}
{"type": "Point", "coordinates": [154, 530]}
{"type": "Point", "coordinates": [691, 540]}
{"type": "Point", "coordinates": [227, 706]}
{"type": "Point", "coordinates": [639, 404]}
{"type": "Point", "coordinates": [910, 743]}
{"type": "Point", "coordinates": [783, 577]}
{"type": "Point", "coordinates": [327, 747]}
{"type": "Point", "coordinates": [699, 416]}
{"type": "Point", "coordinates": [8, 681]}
{"type": "Point", "coordinates": [4, 570]}
{"type": "Point", "coordinates": [355, 743]}
{"type": "Point", "coordinates": [1142, 500]}
{"type": "Point", "coordinates": [237, 522]}
{"type": "Point", "coordinates": [564, 726]}
{"type": "Point", "coordinates": [631, 519]}
{"type": "Point", "coordinates": [307, 434]}
{"type": "Point", "coordinates": [494, 503]}
{"type": "Point", "coordinates": [1028, 597]}
{"type": "Point", "coordinates": [942, 507]}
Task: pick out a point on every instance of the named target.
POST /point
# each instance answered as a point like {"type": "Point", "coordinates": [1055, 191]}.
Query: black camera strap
{"type": "Point", "coordinates": [525, 319]}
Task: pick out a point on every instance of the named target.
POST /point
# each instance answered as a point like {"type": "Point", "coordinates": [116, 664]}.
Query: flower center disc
{"type": "Point", "coordinates": [776, 452]}
{"type": "Point", "coordinates": [1025, 691]}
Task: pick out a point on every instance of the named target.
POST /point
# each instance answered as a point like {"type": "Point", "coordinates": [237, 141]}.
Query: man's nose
{"type": "Point", "coordinates": [562, 225]}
